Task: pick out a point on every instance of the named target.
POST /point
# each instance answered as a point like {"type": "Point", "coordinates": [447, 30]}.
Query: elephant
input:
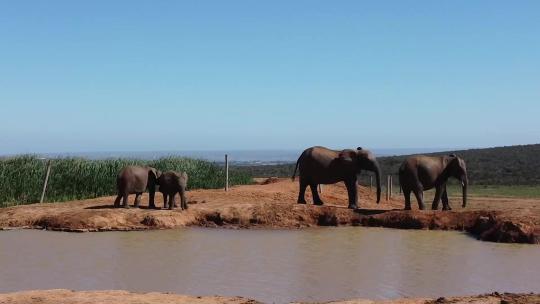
{"type": "Point", "coordinates": [170, 183]}
{"type": "Point", "coordinates": [135, 180]}
{"type": "Point", "coordinates": [320, 165]}
{"type": "Point", "coordinates": [419, 173]}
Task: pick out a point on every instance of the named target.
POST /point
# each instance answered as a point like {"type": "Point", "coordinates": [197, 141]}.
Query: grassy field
{"type": "Point", "coordinates": [499, 191]}
{"type": "Point", "coordinates": [517, 191]}
{"type": "Point", "coordinates": [21, 177]}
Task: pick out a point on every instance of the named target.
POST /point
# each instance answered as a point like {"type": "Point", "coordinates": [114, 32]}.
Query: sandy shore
{"type": "Point", "coordinates": [273, 205]}
{"type": "Point", "coordinates": [63, 296]}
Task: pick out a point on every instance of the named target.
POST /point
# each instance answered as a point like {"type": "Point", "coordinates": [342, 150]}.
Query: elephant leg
{"type": "Point", "coordinates": [419, 198]}
{"type": "Point", "coordinates": [437, 198]}
{"type": "Point", "coordinates": [353, 194]}
{"type": "Point", "coordinates": [183, 200]}
{"type": "Point", "coordinates": [117, 201]}
{"type": "Point", "coordinates": [407, 195]}
{"type": "Point", "coordinates": [164, 200]}
{"type": "Point", "coordinates": [302, 192]}
{"type": "Point", "coordinates": [446, 203]}
{"type": "Point", "coordinates": [171, 201]}
{"type": "Point", "coordinates": [137, 199]}
{"type": "Point", "coordinates": [316, 198]}
{"type": "Point", "coordinates": [125, 201]}
{"type": "Point", "coordinates": [151, 195]}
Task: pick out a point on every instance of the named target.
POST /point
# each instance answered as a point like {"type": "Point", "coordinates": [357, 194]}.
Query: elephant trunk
{"type": "Point", "coordinates": [464, 185]}
{"type": "Point", "coordinates": [377, 170]}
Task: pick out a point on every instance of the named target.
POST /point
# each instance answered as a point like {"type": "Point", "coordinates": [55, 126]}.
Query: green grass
{"type": "Point", "coordinates": [521, 191]}
{"type": "Point", "coordinates": [21, 177]}
{"type": "Point", "coordinates": [517, 191]}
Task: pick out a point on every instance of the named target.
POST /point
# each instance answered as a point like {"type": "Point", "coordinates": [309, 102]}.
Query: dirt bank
{"type": "Point", "coordinates": [272, 205]}
{"type": "Point", "coordinates": [63, 296]}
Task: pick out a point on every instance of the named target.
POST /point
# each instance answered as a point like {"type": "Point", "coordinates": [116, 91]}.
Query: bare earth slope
{"type": "Point", "coordinates": [63, 296]}
{"type": "Point", "coordinates": [273, 205]}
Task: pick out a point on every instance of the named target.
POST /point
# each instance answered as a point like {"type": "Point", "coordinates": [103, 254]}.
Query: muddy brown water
{"type": "Point", "coordinates": [269, 265]}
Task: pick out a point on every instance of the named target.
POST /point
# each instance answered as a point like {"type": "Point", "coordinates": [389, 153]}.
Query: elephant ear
{"type": "Point", "coordinates": [181, 174]}
{"type": "Point", "coordinates": [155, 172]}
{"type": "Point", "coordinates": [347, 156]}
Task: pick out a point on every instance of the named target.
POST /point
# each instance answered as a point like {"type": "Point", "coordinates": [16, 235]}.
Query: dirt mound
{"type": "Point", "coordinates": [270, 180]}
{"type": "Point", "coordinates": [273, 205]}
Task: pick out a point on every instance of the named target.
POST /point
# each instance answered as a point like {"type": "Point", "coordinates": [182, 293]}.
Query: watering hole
{"type": "Point", "coordinates": [319, 264]}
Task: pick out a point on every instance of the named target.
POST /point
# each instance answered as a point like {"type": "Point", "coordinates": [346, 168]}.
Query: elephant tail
{"type": "Point", "coordinates": [296, 167]}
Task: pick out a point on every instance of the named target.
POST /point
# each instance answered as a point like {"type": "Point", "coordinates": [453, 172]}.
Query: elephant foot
{"type": "Point", "coordinates": [152, 207]}
{"type": "Point", "coordinates": [351, 206]}
{"type": "Point", "coordinates": [407, 208]}
{"type": "Point", "coordinates": [126, 206]}
{"type": "Point", "coordinates": [302, 202]}
{"type": "Point", "coordinates": [446, 209]}
{"type": "Point", "coordinates": [319, 203]}
{"type": "Point", "coordinates": [435, 208]}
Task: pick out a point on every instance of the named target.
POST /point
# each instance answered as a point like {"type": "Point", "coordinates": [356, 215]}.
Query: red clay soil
{"type": "Point", "coordinates": [63, 296]}
{"type": "Point", "coordinates": [272, 204]}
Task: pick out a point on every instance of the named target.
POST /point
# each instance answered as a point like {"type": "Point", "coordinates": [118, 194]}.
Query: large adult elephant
{"type": "Point", "coordinates": [320, 165]}
{"type": "Point", "coordinates": [135, 180]}
{"type": "Point", "coordinates": [419, 173]}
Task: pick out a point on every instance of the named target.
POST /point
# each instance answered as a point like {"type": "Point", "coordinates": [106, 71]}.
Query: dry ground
{"type": "Point", "coordinates": [272, 204]}
{"type": "Point", "coordinates": [63, 296]}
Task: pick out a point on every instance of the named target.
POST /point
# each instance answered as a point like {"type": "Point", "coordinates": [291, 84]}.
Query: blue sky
{"type": "Point", "coordinates": [177, 75]}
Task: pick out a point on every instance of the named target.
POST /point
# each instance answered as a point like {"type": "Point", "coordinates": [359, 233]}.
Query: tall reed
{"type": "Point", "coordinates": [21, 177]}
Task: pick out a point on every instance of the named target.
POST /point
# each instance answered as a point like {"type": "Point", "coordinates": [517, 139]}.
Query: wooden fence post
{"type": "Point", "coordinates": [387, 187]}
{"type": "Point", "coordinates": [46, 181]}
{"type": "Point", "coordinates": [226, 172]}
{"type": "Point", "coordinates": [391, 185]}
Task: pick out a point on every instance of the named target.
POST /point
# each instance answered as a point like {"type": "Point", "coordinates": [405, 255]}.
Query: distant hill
{"type": "Point", "coordinates": [512, 165]}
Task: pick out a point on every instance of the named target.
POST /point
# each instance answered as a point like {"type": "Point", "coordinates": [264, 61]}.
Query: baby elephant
{"type": "Point", "coordinates": [170, 183]}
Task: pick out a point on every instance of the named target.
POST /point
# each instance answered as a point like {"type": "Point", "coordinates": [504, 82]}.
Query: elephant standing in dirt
{"type": "Point", "coordinates": [320, 165]}
{"type": "Point", "coordinates": [170, 183]}
{"type": "Point", "coordinates": [419, 173]}
{"type": "Point", "coordinates": [135, 180]}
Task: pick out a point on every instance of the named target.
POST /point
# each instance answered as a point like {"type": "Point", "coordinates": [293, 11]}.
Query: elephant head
{"type": "Point", "coordinates": [456, 168]}
{"type": "Point", "coordinates": [154, 174]}
{"type": "Point", "coordinates": [362, 159]}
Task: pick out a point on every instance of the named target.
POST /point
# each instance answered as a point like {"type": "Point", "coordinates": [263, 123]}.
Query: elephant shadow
{"type": "Point", "coordinates": [362, 211]}
{"type": "Point", "coordinates": [373, 211]}
{"type": "Point", "coordinates": [112, 207]}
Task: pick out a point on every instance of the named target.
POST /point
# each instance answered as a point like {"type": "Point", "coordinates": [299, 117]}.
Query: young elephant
{"type": "Point", "coordinates": [135, 180]}
{"type": "Point", "coordinates": [170, 183]}
{"type": "Point", "coordinates": [419, 173]}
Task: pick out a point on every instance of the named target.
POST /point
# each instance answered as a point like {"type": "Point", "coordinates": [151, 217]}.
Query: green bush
{"type": "Point", "coordinates": [21, 177]}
